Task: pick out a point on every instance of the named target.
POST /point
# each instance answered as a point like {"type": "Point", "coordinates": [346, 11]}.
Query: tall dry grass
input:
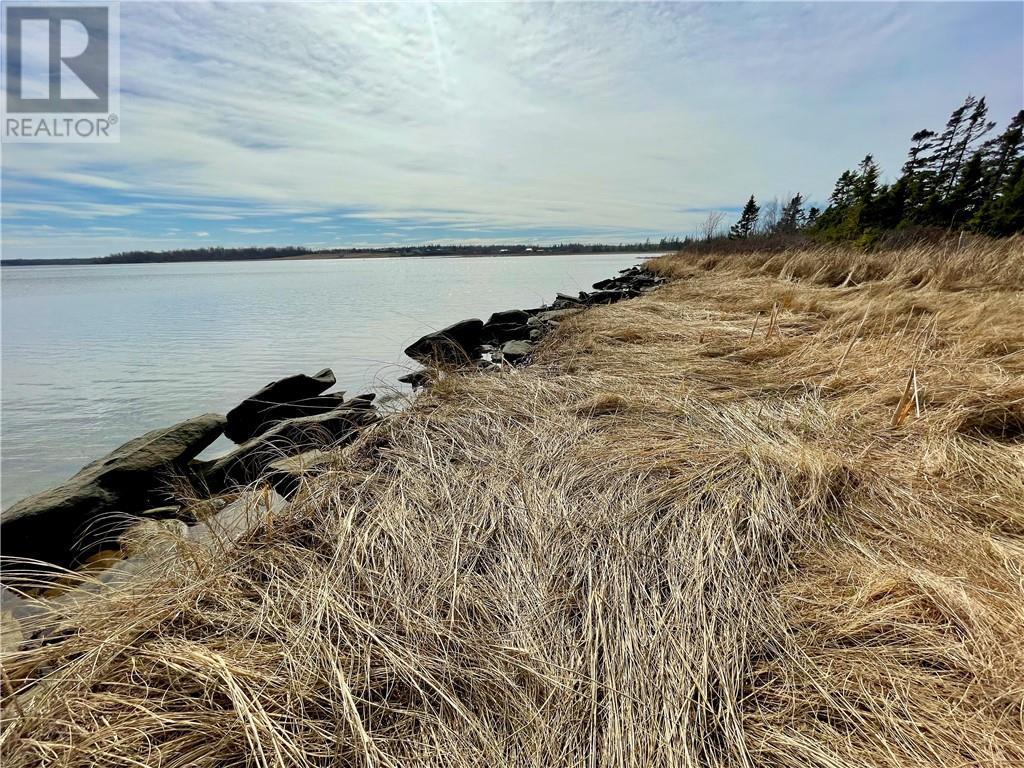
{"type": "Point", "coordinates": [770, 515]}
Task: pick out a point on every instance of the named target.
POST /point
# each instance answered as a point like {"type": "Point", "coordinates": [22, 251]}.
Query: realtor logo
{"type": "Point", "coordinates": [60, 69]}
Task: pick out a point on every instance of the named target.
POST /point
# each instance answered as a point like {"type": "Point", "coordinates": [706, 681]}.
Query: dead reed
{"type": "Point", "coordinates": [672, 540]}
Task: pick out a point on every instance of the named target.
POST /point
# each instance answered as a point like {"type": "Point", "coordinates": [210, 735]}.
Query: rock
{"type": "Point", "coordinates": [284, 474]}
{"type": "Point", "coordinates": [536, 333]}
{"type": "Point", "coordinates": [285, 398]}
{"type": "Point", "coordinates": [417, 379]}
{"type": "Point", "coordinates": [555, 315]}
{"type": "Point", "coordinates": [632, 279]}
{"type": "Point", "coordinates": [62, 524]}
{"type": "Point", "coordinates": [607, 297]}
{"type": "Point", "coordinates": [565, 302]}
{"type": "Point", "coordinates": [459, 343]}
{"type": "Point", "coordinates": [509, 316]}
{"type": "Point", "coordinates": [501, 333]}
{"type": "Point", "coordinates": [287, 438]}
{"type": "Point", "coordinates": [236, 518]}
{"type": "Point", "coordinates": [514, 351]}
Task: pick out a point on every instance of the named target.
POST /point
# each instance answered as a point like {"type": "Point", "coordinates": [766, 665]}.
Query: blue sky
{"type": "Point", "coordinates": [335, 125]}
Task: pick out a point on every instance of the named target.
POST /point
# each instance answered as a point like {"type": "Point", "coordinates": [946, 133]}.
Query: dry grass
{"type": "Point", "coordinates": [673, 540]}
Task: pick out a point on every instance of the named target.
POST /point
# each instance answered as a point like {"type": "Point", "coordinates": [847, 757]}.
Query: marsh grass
{"type": "Point", "coordinates": [690, 533]}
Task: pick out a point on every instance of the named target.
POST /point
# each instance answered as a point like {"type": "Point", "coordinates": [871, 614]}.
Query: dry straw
{"type": "Point", "coordinates": [667, 542]}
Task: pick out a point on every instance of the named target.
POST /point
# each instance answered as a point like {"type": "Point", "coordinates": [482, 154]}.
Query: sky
{"type": "Point", "coordinates": [334, 125]}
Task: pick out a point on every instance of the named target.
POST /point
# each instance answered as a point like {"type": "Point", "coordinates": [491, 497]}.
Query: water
{"type": "Point", "coordinates": [93, 356]}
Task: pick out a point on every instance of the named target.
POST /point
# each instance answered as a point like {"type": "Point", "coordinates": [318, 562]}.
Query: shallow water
{"type": "Point", "coordinates": [93, 356]}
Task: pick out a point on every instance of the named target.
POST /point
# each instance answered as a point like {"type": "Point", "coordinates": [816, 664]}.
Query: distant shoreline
{"type": "Point", "coordinates": [421, 252]}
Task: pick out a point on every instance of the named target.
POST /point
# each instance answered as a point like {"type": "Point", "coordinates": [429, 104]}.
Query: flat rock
{"type": "Point", "coordinates": [514, 351]}
{"type": "Point", "coordinates": [499, 334]}
{"type": "Point", "coordinates": [286, 398]}
{"type": "Point", "coordinates": [609, 296]}
{"type": "Point", "coordinates": [456, 344]}
{"type": "Point", "coordinates": [562, 301]}
{"type": "Point", "coordinates": [556, 315]}
{"type": "Point", "coordinates": [509, 316]}
{"type": "Point", "coordinates": [251, 460]}
{"type": "Point", "coordinates": [60, 525]}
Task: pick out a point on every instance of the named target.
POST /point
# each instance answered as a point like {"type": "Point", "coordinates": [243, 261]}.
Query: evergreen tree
{"type": "Point", "coordinates": [812, 217]}
{"type": "Point", "coordinates": [1003, 213]}
{"type": "Point", "coordinates": [743, 228]}
{"type": "Point", "coordinates": [915, 181]}
{"type": "Point", "coordinates": [969, 195]}
{"type": "Point", "coordinates": [866, 179]}
{"type": "Point", "coordinates": [792, 217]}
{"type": "Point", "coordinates": [843, 192]}
{"type": "Point", "coordinates": [1002, 152]}
{"type": "Point", "coordinates": [938, 163]}
{"type": "Point", "coordinates": [976, 126]}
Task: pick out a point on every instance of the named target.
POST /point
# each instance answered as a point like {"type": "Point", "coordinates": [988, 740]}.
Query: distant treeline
{"type": "Point", "coordinates": [664, 244]}
{"type": "Point", "coordinates": [953, 180]}
{"type": "Point", "coordinates": [254, 254]}
{"type": "Point", "coordinates": [180, 255]}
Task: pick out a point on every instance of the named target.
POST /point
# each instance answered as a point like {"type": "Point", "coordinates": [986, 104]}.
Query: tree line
{"type": "Point", "coordinates": [960, 178]}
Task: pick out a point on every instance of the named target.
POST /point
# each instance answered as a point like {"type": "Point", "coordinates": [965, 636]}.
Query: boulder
{"type": "Point", "coordinates": [416, 379]}
{"type": "Point", "coordinates": [554, 315]}
{"type": "Point", "coordinates": [509, 316]}
{"type": "Point", "coordinates": [286, 398]}
{"type": "Point", "coordinates": [61, 525]}
{"type": "Point", "coordinates": [251, 459]}
{"type": "Point", "coordinates": [514, 351]}
{"type": "Point", "coordinates": [607, 297]}
{"type": "Point", "coordinates": [500, 333]}
{"type": "Point", "coordinates": [563, 301]}
{"type": "Point", "coordinates": [634, 279]}
{"type": "Point", "coordinates": [456, 344]}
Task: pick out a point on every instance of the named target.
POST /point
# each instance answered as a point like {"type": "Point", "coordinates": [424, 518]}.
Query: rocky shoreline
{"type": "Point", "coordinates": [280, 431]}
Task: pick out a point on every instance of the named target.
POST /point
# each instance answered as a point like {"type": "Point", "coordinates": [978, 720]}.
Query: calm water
{"type": "Point", "coordinates": [96, 355]}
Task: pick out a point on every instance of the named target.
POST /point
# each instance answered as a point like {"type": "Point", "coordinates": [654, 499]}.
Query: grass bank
{"type": "Point", "coordinates": [770, 515]}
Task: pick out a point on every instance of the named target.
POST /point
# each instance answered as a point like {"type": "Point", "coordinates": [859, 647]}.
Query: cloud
{"type": "Point", "coordinates": [587, 118]}
{"type": "Point", "coordinates": [252, 230]}
{"type": "Point", "coordinates": [201, 234]}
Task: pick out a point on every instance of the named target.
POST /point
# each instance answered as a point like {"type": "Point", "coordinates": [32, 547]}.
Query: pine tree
{"type": "Point", "coordinates": [842, 193]}
{"type": "Point", "coordinates": [914, 184]}
{"type": "Point", "coordinates": [792, 217]}
{"type": "Point", "coordinates": [812, 217]}
{"type": "Point", "coordinates": [866, 182]}
{"type": "Point", "coordinates": [1003, 214]}
{"type": "Point", "coordinates": [969, 196]}
{"type": "Point", "coordinates": [938, 163]}
{"type": "Point", "coordinates": [1002, 152]}
{"type": "Point", "coordinates": [743, 228]}
{"type": "Point", "coordinates": [976, 126]}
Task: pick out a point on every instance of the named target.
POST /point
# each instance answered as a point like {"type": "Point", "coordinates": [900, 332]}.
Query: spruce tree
{"type": "Point", "coordinates": [743, 228]}
{"type": "Point", "coordinates": [1002, 152]}
{"type": "Point", "coordinates": [866, 183]}
{"type": "Point", "coordinates": [792, 217]}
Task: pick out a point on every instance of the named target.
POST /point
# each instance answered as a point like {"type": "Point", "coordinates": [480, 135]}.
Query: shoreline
{"type": "Point", "coordinates": [330, 256]}
{"type": "Point", "coordinates": [44, 526]}
{"type": "Point", "coordinates": [778, 495]}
